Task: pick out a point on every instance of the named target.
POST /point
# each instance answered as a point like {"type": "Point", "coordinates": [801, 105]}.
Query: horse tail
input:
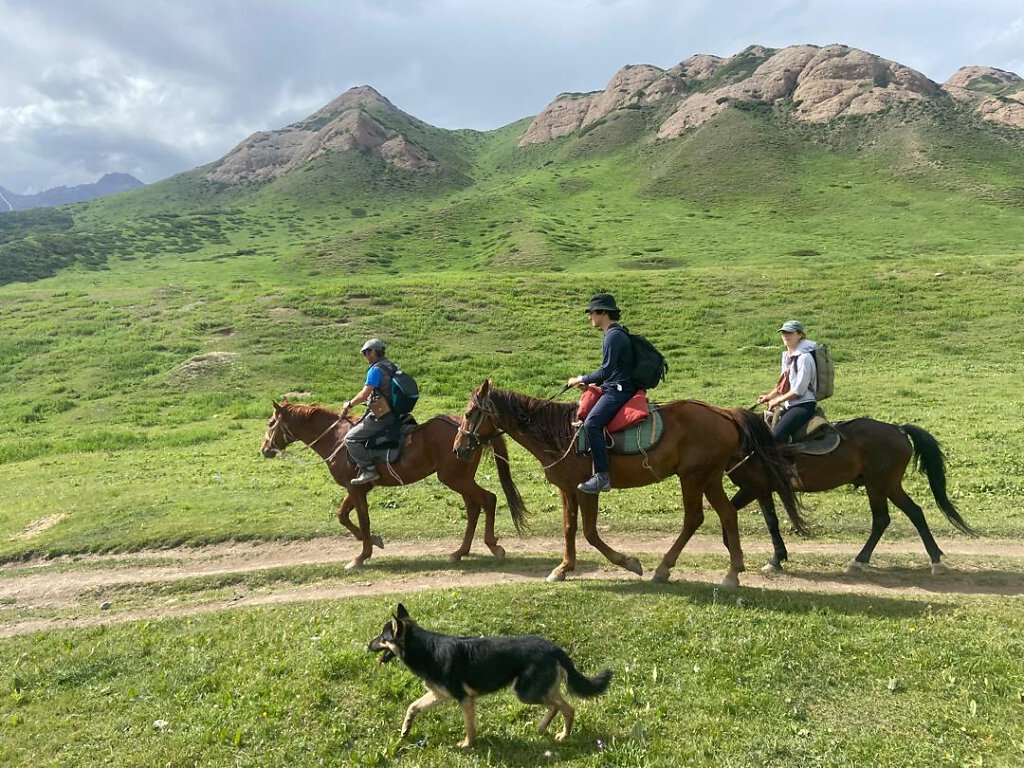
{"type": "Point", "coordinates": [757, 439]}
{"type": "Point", "coordinates": [516, 506]}
{"type": "Point", "coordinates": [930, 460]}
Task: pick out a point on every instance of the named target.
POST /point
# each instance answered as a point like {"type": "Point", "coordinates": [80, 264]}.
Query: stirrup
{"type": "Point", "coordinates": [366, 475]}
{"type": "Point", "coordinates": [596, 484]}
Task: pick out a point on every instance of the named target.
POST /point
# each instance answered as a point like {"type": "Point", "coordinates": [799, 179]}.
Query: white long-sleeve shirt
{"type": "Point", "coordinates": [803, 375]}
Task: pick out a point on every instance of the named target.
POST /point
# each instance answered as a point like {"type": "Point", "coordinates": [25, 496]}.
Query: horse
{"type": "Point", "coordinates": [426, 451]}
{"type": "Point", "coordinates": [871, 453]}
{"type": "Point", "coordinates": [700, 442]}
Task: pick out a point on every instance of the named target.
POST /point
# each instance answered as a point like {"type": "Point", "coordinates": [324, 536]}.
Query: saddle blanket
{"type": "Point", "coordinates": [638, 438]}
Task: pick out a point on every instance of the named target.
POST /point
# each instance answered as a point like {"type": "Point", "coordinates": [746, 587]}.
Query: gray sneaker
{"type": "Point", "coordinates": [366, 475]}
{"type": "Point", "coordinates": [599, 482]}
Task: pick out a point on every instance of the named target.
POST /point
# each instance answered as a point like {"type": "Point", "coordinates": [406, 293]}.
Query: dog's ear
{"type": "Point", "coordinates": [401, 613]}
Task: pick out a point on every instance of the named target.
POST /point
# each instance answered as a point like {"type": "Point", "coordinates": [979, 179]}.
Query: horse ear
{"type": "Point", "coordinates": [277, 405]}
{"type": "Point", "coordinates": [401, 613]}
{"type": "Point", "coordinates": [486, 386]}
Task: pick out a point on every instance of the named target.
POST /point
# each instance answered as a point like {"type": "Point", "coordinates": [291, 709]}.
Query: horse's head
{"type": "Point", "coordinates": [278, 436]}
{"type": "Point", "coordinates": [477, 425]}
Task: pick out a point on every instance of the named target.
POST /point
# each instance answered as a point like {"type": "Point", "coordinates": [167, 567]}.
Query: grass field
{"type": "Point", "coordinates": [146, 335]}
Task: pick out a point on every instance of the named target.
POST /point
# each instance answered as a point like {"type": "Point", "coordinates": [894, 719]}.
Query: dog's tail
{"type": "Point", "coordinates": [580, 684]}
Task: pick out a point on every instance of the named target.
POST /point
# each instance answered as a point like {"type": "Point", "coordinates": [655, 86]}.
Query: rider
{"type": "Point", "coordinates": [378, 419]}
{"type": "Point", "coordinates": [796, 388]}
{"type": "Point", "coordinates": [616, 385]}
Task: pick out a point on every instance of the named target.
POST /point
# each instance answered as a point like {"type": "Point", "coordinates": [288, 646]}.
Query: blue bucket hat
{"type": "Point", "coordinates": [602, 302]}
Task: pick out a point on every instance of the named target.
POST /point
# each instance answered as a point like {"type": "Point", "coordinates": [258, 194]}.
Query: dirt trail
{"type": "Point", "coordinates": [65, 590]}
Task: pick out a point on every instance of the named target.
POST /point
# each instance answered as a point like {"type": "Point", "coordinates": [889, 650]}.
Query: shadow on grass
{"type": "Point", "coordinates": [964, 582]}
{"type": "Point", "coordinates": [783, 601]}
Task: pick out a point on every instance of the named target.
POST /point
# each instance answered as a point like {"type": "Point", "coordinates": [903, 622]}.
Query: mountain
{"type": "Point", "coordinates": [108, 184]}
{"type": "Point", "coordinates": [765, 154]}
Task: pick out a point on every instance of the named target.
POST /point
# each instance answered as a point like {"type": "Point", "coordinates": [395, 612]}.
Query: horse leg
{"type": "Point", "coordinates": [570, 509]}
{"type": "Point", "coordinates": [743, 497]}
{"type": "Point", "coordinates": [344, 512]}
{"type": "Point", "coordinates": [588, 503]}
{"type": "Point", "coordinates": [916, 514]}
{"type": "Point", "coordinates": [472, 515]}
{"type": "Point", "coordinates": [730, 531]}
{"type": "Point", "coordinates": [363, 513]}
{"type": "Point", "coordinates": [879, 522]}
{"type": "Point", "coordinates": [693, 518]}
{"type": "Point", "coordinates": [490, 502]}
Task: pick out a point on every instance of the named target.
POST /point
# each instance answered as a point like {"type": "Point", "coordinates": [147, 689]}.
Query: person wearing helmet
{"type": "Point", "coordinates": [616, 385]}
{"type": "Point", "coordinates": [379, 418]}
{"type": "Point", "coordinates": [795, 391]}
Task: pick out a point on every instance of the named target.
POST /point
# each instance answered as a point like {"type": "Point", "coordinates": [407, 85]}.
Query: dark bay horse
{"type": "Point", "coordinates": [874, 454]}
{"type": "Point", "coordinates": [700, 443]}
{"type": "Point", "coordinates": [427, 450]}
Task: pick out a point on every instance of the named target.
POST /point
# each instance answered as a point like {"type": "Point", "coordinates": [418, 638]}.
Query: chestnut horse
{"type": "Point", "coordinates": [427, 450]}
{"type": "Point", "coordinates": [873, 454]}
{"type": "Point", "coordinates": [700, 442]}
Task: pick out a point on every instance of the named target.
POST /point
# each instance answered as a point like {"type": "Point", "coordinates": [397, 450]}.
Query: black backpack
{"type": "Point", "coordinates": [404, 391]}
{"type": "Point", "coordinates": [649, 365]}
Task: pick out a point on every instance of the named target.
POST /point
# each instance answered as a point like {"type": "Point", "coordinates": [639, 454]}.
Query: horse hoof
{"type": "Point", "coordinates": [938, 569]}
{"type": "Point", "coordinates": [731, 581]}
{"type": "Point", "coordinates": [455, 557]}
{"type": "Point", "coordinates": [854, 567]}
{"type": "Point", "coordinates": [633, 565]}
{"type": "Point", "coordinates": [556, 575]}
{"type": "Point", "coordinates": [377, 541]}
{"type": "Point", "coordinates": [661, 575]}
{"type": "Point", "coordinates": [499, 552]}
{"type": "Point", "coordinates": [771, 569]}
{"type": "Point", "coordinates": [351, 565]}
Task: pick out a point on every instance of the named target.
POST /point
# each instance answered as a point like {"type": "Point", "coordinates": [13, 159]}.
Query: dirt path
{"type": "Point", "coordinates": [95, 589]}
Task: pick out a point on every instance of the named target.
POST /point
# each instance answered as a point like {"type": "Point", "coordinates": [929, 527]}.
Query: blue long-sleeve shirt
{"type": "Point", "coordinates": [616, 361]}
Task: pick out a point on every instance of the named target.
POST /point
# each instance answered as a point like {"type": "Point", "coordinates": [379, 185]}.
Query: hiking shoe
{"type": "Point", "coordinates": [599, 482]}
{"type": "Point", "coordinates": [366, 475]}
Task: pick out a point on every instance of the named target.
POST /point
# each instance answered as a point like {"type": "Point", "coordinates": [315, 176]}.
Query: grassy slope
{"type": "Point", "coordinates": [707, 241]}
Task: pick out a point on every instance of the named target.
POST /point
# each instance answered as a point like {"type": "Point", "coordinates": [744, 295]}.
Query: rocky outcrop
{"type": "Point", "coordinates": [642, 84]}
{"type": "Point", "coordinates": [343, 125]}
{"type": "Point", "coordinates": [997, 95]}
{"type": "Point", "coordinates": [822, 83]}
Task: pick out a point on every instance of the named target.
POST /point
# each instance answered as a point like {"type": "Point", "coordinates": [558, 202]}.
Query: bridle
{"type": "Point", "coordinates": [472, 435]}
{"type": "Point", "coordinates": [289, 436]}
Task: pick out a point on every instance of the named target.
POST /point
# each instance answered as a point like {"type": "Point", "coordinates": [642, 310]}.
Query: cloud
{"type": "Point", "coordinates": [167, 85]}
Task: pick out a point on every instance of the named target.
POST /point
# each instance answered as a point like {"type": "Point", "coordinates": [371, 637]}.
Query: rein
{"type": "Point", "coordinates": [291, 438]}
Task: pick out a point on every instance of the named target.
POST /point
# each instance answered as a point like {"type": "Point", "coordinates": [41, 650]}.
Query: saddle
{"type": "Point", "coordinates": [386, 448]}
{"type": "Point", "coordinates": [817, 437]}
{"type": "Point", "coordinates": [640, 437]}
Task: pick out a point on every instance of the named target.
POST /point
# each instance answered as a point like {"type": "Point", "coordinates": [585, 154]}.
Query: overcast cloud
{"type": "Point", "coordinates": [156, 87]}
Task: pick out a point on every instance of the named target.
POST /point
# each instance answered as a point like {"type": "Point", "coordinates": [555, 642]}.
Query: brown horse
{"type": "Point", "coordinates": [873, 454]}
{"type": "Point", "coordinates": [700, 442]}
{"type": "Point", "coordinates": [427, 450]}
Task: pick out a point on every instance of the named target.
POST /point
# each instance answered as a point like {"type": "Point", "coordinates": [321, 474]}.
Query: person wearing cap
{"type": "Point", "coordinates": [378, 419]}
{"type": "Point", "coordinates": [615, 381]}
{"type": "Point", "coordinates": [795, 389]}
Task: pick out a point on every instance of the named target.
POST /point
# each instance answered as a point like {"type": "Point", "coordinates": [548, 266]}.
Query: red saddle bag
{"type": "Point", "coordinates": [633, 411]}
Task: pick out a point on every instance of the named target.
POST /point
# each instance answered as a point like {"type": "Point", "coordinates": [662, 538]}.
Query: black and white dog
{"type": "Point", "coordinates": [463, 668]}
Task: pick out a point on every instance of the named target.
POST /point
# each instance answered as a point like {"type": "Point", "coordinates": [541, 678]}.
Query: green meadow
{"type": "Point", "coordinates": [145, 336]}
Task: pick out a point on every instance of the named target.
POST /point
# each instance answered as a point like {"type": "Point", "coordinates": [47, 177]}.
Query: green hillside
{"type": "Point", "coordinates": [146, 333]}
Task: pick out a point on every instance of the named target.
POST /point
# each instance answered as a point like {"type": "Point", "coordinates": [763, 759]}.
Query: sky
{"type": "Point", "coordinates": [157, 87]}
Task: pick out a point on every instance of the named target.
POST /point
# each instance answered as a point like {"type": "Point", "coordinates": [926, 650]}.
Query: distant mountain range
{"type": "Point", "coordinates": [109, 184]}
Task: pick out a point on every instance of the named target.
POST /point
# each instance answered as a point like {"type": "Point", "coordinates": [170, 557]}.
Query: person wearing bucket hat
{"type": "Point", "coordinates": [616, 385]}
{"type": "Point", "coordinates": [378, 418]}
{"type": "Point", "coordinates": [795, 390]}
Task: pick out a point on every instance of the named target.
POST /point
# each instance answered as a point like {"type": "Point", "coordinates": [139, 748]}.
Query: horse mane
{"type": "Point", "coordinates": [543, 420]}
{"type": "Point", "coordinates": [306, 411]}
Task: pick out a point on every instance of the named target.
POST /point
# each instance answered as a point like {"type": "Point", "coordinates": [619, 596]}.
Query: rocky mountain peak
{"type": "Point", "coordinates": [997, 95]}
{"type": "Point", "coordinates": [345, 124]}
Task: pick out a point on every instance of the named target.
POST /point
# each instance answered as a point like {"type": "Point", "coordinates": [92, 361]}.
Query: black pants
{"type": "Point", "coordinates": [600, 416]}
{"type": "Point", "coordinates": [791, 420]}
